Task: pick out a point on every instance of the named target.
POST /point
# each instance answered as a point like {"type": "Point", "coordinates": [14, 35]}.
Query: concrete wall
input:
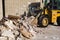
{"type": "Point", "coordinates": [0, 9]}
{"type": "Point", "coordinates": [17, 7]}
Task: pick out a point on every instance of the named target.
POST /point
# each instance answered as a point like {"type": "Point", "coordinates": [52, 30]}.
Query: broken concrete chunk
{"type": "Point", "coordinates": [15, 32]}
{"type": "Point", "coordinates": [10, 24]}
{"type": "Point", "coordinates": [3, 38]}
{"type": "Point", "coordinates": [25, 32]}
{"type": "Point", "coordinates": [13, 17]}
{"type": "Point", "coordinates": [19, 38]}
{"type": "Point", "coordinates": [11, 38]}
{"type": "Point", "coordinates": [8, 33]}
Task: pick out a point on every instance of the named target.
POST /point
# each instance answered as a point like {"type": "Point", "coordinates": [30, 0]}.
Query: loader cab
{"type": "Point", "coordinates": [56, 4]}
{"type": "Point", "coordinates": [34, 8]}
{"type": "Point", "coordinates": [53, 4]}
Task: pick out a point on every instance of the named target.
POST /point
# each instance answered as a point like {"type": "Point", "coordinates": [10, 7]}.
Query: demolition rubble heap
{"type": "Point", "coordinates": [17, 28]}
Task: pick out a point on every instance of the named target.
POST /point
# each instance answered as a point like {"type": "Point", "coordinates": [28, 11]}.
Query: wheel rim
{"type": "Point", "coordinates": [45, 22]}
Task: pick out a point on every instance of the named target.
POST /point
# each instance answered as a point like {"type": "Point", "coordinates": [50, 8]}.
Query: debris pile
{"type": "Point", "coordinates": [18, 28]}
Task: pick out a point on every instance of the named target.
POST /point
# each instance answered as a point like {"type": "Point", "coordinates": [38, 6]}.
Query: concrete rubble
{"type": "Point", "coordinates": [3, 38]}
{"type": "Point", "coordinates": [16, 28]}
{"type": "Point", "coordinates": [25, 28]}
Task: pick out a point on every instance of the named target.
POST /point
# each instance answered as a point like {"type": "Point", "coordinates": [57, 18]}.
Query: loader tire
{"type": "Point", "coordinates": [58, 21]}
{"type": "Point", "coordinates": [43, 21]}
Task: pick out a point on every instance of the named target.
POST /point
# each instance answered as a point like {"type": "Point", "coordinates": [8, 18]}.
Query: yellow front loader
{"type": "Point", "coordinates": [50, 13]}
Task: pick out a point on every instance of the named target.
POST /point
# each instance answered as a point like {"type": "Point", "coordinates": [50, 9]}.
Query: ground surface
{"type": "Point", "coordinates": [48, 33]}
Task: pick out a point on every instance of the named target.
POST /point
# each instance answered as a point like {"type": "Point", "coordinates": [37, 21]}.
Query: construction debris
{"type": "Point", "coordinates": [3, 38]}
{"type": "Point", "coordinates": [13, 17]}
{"type": "Point", "coordinates": [14, 27]}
